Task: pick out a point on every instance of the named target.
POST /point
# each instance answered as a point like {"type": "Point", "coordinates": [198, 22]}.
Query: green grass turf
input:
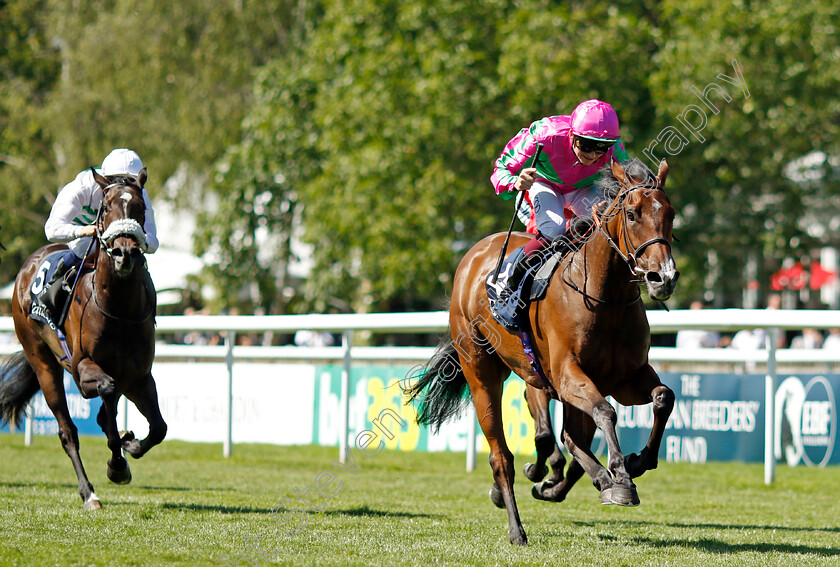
{"type": "Point", "coordinates": [189, 506]}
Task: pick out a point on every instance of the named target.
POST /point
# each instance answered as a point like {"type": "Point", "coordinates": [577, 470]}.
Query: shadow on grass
{"type": "Point", "coordinates": [716, 546]}
{"type": "Point", "coordinates": [707, 526]}
{"type": "Point", "coordinates": [711, 545]}
{"type": "Point", "coordinates": [213, 508]}
{"type": "Point", "coordinates": [182, 488]}
{"type": "Point", "coordinates": [360, 511]}
{"type": "Point", "coordinates": [364, 511]}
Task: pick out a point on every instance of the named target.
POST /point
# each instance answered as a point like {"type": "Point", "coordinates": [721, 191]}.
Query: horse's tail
{"type": "Point", "coordinates": [440, 391]}
{"type": "Point", "coordinates": [18, 383]}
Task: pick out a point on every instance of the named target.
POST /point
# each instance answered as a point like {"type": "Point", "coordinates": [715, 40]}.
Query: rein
{"type": "Point", "coordinates": [631, 258]}
{"type": "Point", "coordinates": [123, 319]}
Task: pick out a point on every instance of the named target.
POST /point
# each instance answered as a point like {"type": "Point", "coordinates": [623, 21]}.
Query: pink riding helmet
{"type": "Point", "coordinates": [595, 119]}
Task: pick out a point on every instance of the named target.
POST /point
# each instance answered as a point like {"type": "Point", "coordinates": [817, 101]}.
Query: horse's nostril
{"type": "Point", "coordinates": [117, 253]}
{"type": "Point", "coordinates": [653, 277]}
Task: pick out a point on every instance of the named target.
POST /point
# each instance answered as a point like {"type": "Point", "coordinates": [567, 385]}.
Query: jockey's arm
{"type": "Point", "coordinates": [149, 226]}
{"type": "Point", "coordinates": [65, 223]}
{"type": "Point", "coordinates": [507, 177]}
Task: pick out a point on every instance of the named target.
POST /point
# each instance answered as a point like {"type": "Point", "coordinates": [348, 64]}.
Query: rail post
{"type": "Point", "coordinates": [227, 448]}
{"type": "Point", "coordinates": [344, 428]}
{"type": "Point", "coordinates": [770, 380]}
{"type": "Point", "coordinates": [29, 425]}
{"type": "Point", "coordinates": [471, 437]}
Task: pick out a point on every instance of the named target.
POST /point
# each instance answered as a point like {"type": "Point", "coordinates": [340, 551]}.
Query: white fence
{"type": "Point", "coordinates": [726, 320]}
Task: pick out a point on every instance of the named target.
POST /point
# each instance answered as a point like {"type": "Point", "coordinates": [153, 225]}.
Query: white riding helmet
{"type": "Point", "coordinates": [122, 162]}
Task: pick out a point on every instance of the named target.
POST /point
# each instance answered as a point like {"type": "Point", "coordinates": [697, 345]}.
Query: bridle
{"type": "Point", "coordinates": [119, 227]}
{"type": "Point", "coordinates": [630, 258]}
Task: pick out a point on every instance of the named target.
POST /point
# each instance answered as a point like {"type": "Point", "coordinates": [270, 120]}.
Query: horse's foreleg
{"type": "Point", "coordinates": [488, 406]}
{"type": "Point", "coordinates": [90, 373]}
{"type": "Point", "coordinates": [644, 389]}
{"type": "Point", "coordinates": [579, 392]}
{"type": "Point", "coordinates": [51, 378]}
{"type": "Point", "coordinates": [145, 398]}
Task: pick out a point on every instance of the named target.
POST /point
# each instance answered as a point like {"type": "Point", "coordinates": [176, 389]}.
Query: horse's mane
{"type": "Point", "coordinates": [610, 187]}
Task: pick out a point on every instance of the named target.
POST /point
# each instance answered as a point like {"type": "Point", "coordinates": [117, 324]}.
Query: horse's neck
{"type": "Point", "coordinates": [608, 277]}
{"type": "Point", "coordinates": [122, 297]}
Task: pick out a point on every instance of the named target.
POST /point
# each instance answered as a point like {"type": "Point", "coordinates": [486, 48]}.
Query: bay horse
{"type": "Point", "coordinates": [109, 334]}
{"type": "Point", "coordinates": [590, 333]}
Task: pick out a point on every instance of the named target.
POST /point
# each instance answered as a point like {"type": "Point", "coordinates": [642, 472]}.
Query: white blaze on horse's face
{"type": "Point", "coordinates": [661, 274]}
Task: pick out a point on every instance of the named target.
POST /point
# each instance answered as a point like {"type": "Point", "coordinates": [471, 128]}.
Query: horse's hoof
{"type": "Point", "coordinates": [518, 537]}
{"type": "Point", "coordinates": [93, 503]}
{"type": "Point", "coordinates": [539, 490]}
{"type": "Point", "coordinates": [496, 496]}
{"type": "Point", "coordinates": [620, 495]}
{"type": "Point", "coordinates": [119, 476]}
{"type": "Point", "coordinates": [533, 473]}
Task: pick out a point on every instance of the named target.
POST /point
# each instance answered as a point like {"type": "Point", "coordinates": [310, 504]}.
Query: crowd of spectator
{"type": "Point", "coordinates": [754, 339]}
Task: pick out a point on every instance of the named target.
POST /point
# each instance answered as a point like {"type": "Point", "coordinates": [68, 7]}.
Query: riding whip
{"type": "Point", "coordinates": [513, 220]}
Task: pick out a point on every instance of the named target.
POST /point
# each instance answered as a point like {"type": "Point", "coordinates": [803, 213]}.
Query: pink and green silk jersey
{"type": "Point", "coordinates": [557, 166]}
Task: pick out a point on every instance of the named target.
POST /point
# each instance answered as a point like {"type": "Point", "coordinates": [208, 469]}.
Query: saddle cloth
{"type": "Point", "coordinates": [40, 310]}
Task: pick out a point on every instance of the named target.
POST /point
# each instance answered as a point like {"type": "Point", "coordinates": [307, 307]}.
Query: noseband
{"type": "Point", "coordinates": [119, 227]}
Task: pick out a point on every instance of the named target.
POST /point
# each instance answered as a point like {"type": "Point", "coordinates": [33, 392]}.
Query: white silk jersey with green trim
{"type": "Point", "coordinates": [558, 166]}
{"type": "Point", "coordinates": [76, 205]}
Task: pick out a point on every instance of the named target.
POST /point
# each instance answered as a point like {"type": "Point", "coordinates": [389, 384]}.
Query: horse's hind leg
{"type": "Point", "coordinates": [544, 439]}
{"type": "Point", "coordinates": [89, 374]}
{"type": "Point", "coordinates": [643, 389]}
{"type": "Point", "coordinates": [557, 491]}
{"type": "Point", "coordinates": [145, 398]}
{"type": "Point", "coordinates": [486, 387]}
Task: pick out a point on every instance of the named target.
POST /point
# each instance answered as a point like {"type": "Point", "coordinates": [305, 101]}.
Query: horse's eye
{"type": "Point", "coordinates": [631, 216]}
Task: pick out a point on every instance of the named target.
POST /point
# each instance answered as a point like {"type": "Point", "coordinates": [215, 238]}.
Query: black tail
{"type": "Point", "coordinates": [440, 391]}
{"type": "Point", "coordinates": [18, 384]}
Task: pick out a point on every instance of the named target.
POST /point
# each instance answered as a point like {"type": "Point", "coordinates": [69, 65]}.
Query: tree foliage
{"type": "Point", "coordinates": [172, 80]}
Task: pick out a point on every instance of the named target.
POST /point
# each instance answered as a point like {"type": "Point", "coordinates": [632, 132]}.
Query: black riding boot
{"type": "Point", "coordinates": [515, 278]}
{"type": "Point", "coordinates": [58, 288]}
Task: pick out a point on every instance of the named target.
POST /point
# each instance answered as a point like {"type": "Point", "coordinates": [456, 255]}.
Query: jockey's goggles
{"type": "Point", "coordinates": [589, 145]}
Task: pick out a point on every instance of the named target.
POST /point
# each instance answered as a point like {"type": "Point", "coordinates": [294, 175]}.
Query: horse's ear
{"type": "Point", "coordinates": [100, 179]}
{"type": "Point", "coordinates": [619, 174]}
{"type": "Point", "coordinates": [663, 173]}
{"type": "Point", "coordinates": [141, 178]}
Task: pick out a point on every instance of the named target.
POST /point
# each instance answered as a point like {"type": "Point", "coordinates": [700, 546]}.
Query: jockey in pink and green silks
{"type": "Point", "coordinates": [576, 146]}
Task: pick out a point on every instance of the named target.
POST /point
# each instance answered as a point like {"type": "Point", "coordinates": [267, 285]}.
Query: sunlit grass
{"type": "Point", "coordinates": [188, 505]}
